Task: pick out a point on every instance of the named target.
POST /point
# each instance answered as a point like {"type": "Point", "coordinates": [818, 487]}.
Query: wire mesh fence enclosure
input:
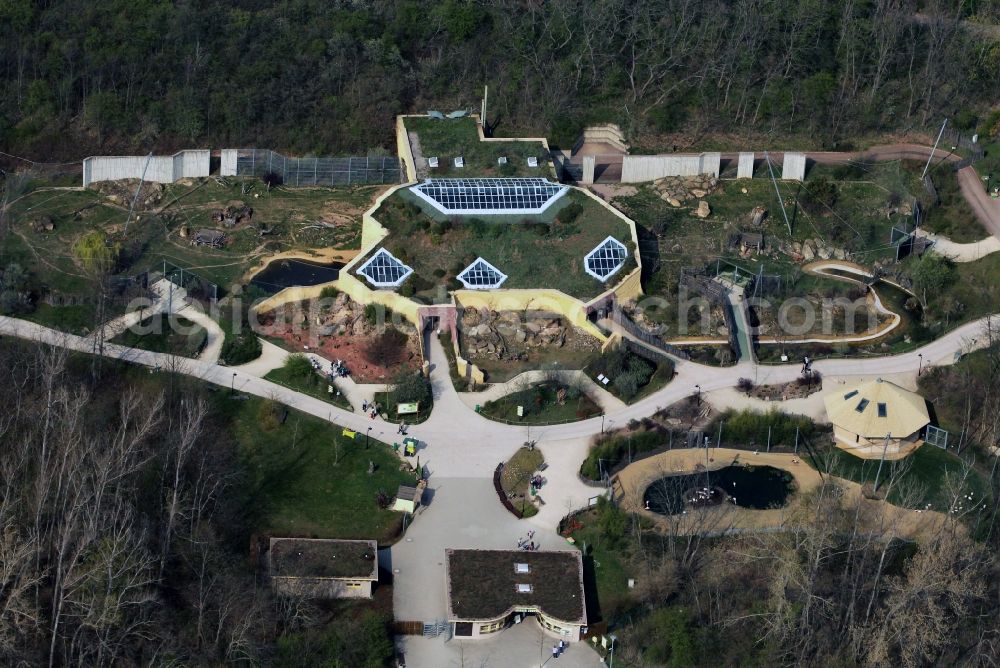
{"type": "Point", "coordinates": [318, 171]}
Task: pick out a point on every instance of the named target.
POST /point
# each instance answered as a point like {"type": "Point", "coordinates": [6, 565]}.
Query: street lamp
{"type": "Point", "coordinates": [232, 385]}
{"type": "Point", "coordinates": [367, 436]}
{"type": "Point", "coordinates": [920, 365]}
{"type": "Point", "coordinates": [613, 639]}
{"type": "Point", "coordinates": [698, 387]}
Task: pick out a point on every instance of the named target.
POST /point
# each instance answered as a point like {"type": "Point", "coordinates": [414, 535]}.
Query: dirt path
{"type": "Point", "coordinates": [987, 209]}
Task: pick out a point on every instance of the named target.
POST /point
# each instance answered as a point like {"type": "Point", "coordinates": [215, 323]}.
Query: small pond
{"type": "Point", "coordinates": [756, 487]}
{"type": "Point", "coordinates": [288, 272]}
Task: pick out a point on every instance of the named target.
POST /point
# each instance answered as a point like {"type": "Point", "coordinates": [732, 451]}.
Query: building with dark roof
{"type": "Point", "coordinates": [490, 589]}
{"type": "Point", "coordinates": [321, 568]}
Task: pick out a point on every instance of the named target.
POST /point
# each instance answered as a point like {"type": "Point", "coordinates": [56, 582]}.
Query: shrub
{"type": "Point", "coordinates": [570, 213]}
{"type": "Point", "coordinates": [440, 273]}
{"type": "Point", "coordinates": [744, 385]}
{"type": "Point", "coordinates": [97, 253]}
{"type": "Point", "coordinates": [329, 292]}
{"type": "Point", "coordinates": [408, 290]}
{"type": "Point", "coordinates": [298, 366]}
{"type": "Point", "coordinates": [272, 179]}
{"type": "Point", "coordinates": [269, 415]}
{"type": "Point", "coordinates": [746, 426]}
{"type": "Point", "coordinates": [386, 349]}
{"type": "Point", "coordinates": [410, 386]}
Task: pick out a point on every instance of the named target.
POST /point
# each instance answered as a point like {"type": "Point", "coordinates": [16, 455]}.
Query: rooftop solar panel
{"type": "Point", "coordinates": [606, 259]}
{"type": "Point", "coordinates": [383, 270]}
{"type": "Point", "coordinates": [481, 275]}
{"type": "Point", "coordinates": [489, 196]}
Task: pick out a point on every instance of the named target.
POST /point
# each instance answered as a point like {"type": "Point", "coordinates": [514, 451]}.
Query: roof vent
{"type": "Point", "coordinates": [432, 162]}
{"type": "Point", "coordinates": [522, 568]}
{"type": "Point", "coordinates": [523, 589]}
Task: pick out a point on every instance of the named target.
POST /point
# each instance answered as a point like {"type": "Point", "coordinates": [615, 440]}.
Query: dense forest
{"type": "Point", "coordinates": [312, 76]}
{"type": "Point", "coordinates": [126, 524]}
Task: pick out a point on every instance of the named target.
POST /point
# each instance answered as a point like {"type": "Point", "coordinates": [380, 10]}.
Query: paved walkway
{"type": "Point", "coordinates": [969, 252]}
{"type": "Point", "coordinates": [462, 513]}
{"type": "Point", "coordinates": [169, 299]}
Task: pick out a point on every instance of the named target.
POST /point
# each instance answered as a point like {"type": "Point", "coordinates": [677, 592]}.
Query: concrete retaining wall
{"type": "Point", "coordinates": [744, 169]}
{"type": "Point", "coordinates": [641, 168]}
{"type": "Point", "coordinates": [793, 167]}
{"type": "Point", "coordinates": [227, 166]}
{"type": "Point", "coordinates": [160, 168]}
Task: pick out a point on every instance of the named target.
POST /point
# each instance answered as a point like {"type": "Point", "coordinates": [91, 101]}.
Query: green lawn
{"type": "Point", "coordinates": [307, 479]}
{"type": "Point", "coordinates": [314, 385]}
{"type": "Point", "coordinates": [515, 478]}
{"type": "Point", "coordinates": [606, 563]}
{"type": "Point", "coordinates": [541, 406]}
{"type": "Point", "coordinates": [632, 376]}
{"type": "Point", "coordinates": [158, 334]}
{"type": "Point", "coordinates": [459, 137]}
{"type": "Point", "coordinates": [952, 217]}
{"type": "Point", "coordinates": [543, 251]}
{"type": "Point", "coordinates": [389, 404]}
{"type": "Point", "coordinates": [78, 319]}
{"type": "Point", "coordinates": [286, 213]}
{"type": "Point", "coordinates": [922, 477]}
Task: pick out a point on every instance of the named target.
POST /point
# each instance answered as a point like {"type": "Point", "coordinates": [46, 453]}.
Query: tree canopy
{"type": "Point", "coordinates": [316, 77]}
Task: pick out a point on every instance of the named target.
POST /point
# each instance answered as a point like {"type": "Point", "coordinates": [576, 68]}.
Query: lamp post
{"type": "Point", "coordinates": [232, 385]}
{"type": "Point", "coordinates": [367, 436]}
{"type": "Point", "coordinates": [613, 639]}
{"type": "Point", "coordinates": [920, 365]}
{"type": "Point", "coordinates": [698, 388]}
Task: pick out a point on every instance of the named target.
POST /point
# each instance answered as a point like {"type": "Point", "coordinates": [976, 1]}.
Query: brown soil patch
{"type": "Point", "coordinates": [347, 348]}
{"type": "Point", "coordinates": [340, 332]}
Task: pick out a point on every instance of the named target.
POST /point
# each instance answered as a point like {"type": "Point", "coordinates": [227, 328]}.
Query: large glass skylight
{"type": "Point", "coordinates": [489, 196]}
{"type": "Point", "coordinates": [606, 259]}
{"type": "Point", "coordinates": [481, 275]}
{"type": "Point", "coordinates": [383, 270]}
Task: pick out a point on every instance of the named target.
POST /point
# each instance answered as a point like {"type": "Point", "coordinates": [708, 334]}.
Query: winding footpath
{"type": "Point", "coordinates": [481, 442]}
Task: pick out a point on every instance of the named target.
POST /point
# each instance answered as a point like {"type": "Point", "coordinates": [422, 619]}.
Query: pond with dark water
{"type": "Point", "coordinates": [755, 487]}
{"type": "Point", "coordinates": [289, 272]}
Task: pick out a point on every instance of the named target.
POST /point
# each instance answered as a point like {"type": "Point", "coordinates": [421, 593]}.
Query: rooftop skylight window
{"type": "Point", "coordinates": [605, 260]}
{"type": "Point", "coordinates": [481, 275]}
{"type": "Point", "coordinates": [489, 196]}
{"type": "Point", "coordinates": [383, 270]}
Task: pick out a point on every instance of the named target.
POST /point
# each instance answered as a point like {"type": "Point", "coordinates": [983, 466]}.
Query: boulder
{"type": "Point", "coordinates": [824, 252]}
{"type": "Point", "coordinates": [698, 192]}
{"type": "Point", "coordinates": [840, 253]}
{"type": "Point", "coordinates": [808, 251]}
{"type": "Point", "coordinates": [703, 210]}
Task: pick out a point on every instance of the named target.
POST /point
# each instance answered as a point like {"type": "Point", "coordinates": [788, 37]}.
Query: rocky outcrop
{"type": "Point", "coordinates": [812, 249]}
{"type": "Point", "coordinates": [675, 190]}
{"type": "Point", "coordinates": [510, 334]}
